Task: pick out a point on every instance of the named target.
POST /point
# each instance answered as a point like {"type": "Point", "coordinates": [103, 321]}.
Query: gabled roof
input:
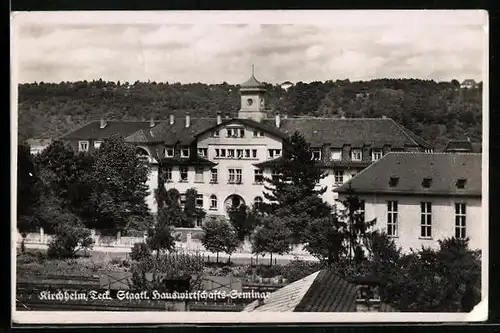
{"type": "Point", "coordinates": [445, 169]}
{"type": "Point", "coordinates": [323, 291]}
{"type": "Point", "coordinates": [357, 132]}
{"type": "Point", "coordinates": [92, 130]}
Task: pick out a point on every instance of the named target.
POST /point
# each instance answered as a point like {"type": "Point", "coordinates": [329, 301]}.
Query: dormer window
{"type": "Point", "coordinates": [215, 134]}
{"type": "Point", "coordinates": [274, 153]}
{"type": "Point", "coordinates": [426, 183]}
{"type": "Point", "coordinates": [185, 152]}
{"type": "Point", "coordinates": [336, 154]}
{"type": "Point", "coordinates": [202, 152]}
{"type": "Point", "coordinates": [242, 132]}
{"type": "Point", "coordinates": [376, 154]}
{"type": "Point", "coordinates": [356, 155]}
{"type": "Point", "coordinates": [258, 133]}
{"type": "Point", "coordinates": [83, 146]}
{"type": "Point", "coordinates": [97, 144]}
{"type": "Point", "coordinates": [393, 181]}
{"type": "Point", "coordinates": [169, 152]}
{"type": "Point", "coordinates": [461, 183]}
{"type": "Point", "coordinates": [316, 154]}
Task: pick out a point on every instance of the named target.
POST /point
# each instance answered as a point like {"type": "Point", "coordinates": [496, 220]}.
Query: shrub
{"type": "Point", "coordinates": [265, 271]}
{"type": "Point", "coordinates": [298, 269]}
{"type": "Point", "coordinates": [140, 251]}
{"type": "Point", "coordinates": [68, 240]}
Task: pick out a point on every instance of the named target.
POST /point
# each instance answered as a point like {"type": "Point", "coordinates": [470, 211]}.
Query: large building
{"type": "Point", "coordinates": [225, 158]}
{"type": "Point", "coordinates": [420, 198]}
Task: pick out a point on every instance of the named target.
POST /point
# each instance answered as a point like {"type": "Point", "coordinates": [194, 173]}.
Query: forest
{"type": "Point", "coordinates": [437, 111]}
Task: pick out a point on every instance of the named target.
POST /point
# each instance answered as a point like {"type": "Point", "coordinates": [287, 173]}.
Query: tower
{"type": "Point", "coordinates": [253, 104]}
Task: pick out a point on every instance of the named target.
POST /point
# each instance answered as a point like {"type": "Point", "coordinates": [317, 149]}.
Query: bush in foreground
{"type": "Point", "coordinates": [68, 240]}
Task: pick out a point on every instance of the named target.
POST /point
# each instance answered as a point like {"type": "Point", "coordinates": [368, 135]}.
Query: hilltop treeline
{"type": "Point", "coordinates": [436, 111]}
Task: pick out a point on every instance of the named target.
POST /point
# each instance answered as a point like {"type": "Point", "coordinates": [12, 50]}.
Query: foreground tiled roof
{"type": "Point", "coordinates": [410, 169]}
{"type": "Point", "coordinates": [317, 131]}
{"type": "Point", "coordinates": [323, 291]}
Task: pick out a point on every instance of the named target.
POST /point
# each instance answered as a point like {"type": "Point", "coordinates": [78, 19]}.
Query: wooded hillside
{"type": "Point", "coordinates": [436, 111]}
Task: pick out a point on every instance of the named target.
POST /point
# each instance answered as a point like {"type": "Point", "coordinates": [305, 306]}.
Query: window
{"type": "Point", "coordinates": [199, 200]}
{"type": "Point", "coordinates": [184, 174]}
{"type": "Point", "coordinates": [183, 200]}
{"type": "Point", "coordinates": [202, 152]}
{"type": "Point", "coordinates": [428, 150]}
{"type": "Point", "coordinates": [169, 152]}
{"type": "Point", "coordinates": [239, 153]}
{"type": "Point", "coordinates": [257, 202]}
{"type": "Point", "coordinates": [425, 219]}
{"type": "Point", "coordinates": [198, 176]}
{"type": "Point", "coordinates": [376, 154]}
{"type": "Point", "coordinates": [339, 177]}
{"type": "Point", "coordinates": [230, 153]}
{"type": "Point", "coordinates": [215, 134]}
{"type": "Point", "coordinates": [258, 176]}
{"type": "Point", "coordinates": [239, 178]}
{"type": "Point", "coordinates": [214, 176]}
{"type": "Point", "coordinates": [235, 132]}
{"type": "Point", "coordinates": [460, 218]}
{"type": "Point", "coordinates": [247, 153]}
{"type": "Point", "coordinates": [199, 222]}
{"type": "Point", "coordinates": [461, 183]}
{"type": "Point", "coordinates": [427, 182]}
{"type": "Point", "coordinates": [222, 153]}
{"type": "Point", "coordinates": [273, 153]}
{"type": "Point", "coordinates": [168, 175]}
{"type": "Point", "coordinates": [83, 145]}
{"type": "Point", "coordinates": [229, 132]}
{"type": "Point", "coordinates": [242, 132]}
{"type": "Point", "coordinates": [392, 218]}
{"type": "Point", "coordinates": [232, 176]}
{"type": "Point", "coordinates": [217, 152]}
{"type": "Point", "coordinates": [213, 202]}
{"type": "Point", "coordinates": [254, 153]}
{"type": "Point", "coordinates": [361, 210]}
{"type": "Point", "coordinates": [275, 175]}
{"type": "Point", "coordinates": [316, 154]}
{"type": "Point", "coordinates": [185, 152]}
{"type": "Point", "coordinates": [97, 144]}
{"type": "Point", "coordinates": [356, 155]}
{"type": "Point", "coordinates": [393, 181]}
{"type": "Point", "coordinates": [336, 154]}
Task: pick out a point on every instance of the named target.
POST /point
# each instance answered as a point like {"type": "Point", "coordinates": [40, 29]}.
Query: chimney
{"type": "Point", "coordinates": [151, 122]}
{"type": "Point", "coordinates": [103, 123]}
{"type": "Point", "coordinates": [172, 119]}
{"type": "Point", "coordinates": [219, 117]}
{"type": "Point", "coordinates": [278, 120]}
{"type": "Point", "coordinates": [227, 116]}
{"type": "Point", "coordinates": [188, 119]}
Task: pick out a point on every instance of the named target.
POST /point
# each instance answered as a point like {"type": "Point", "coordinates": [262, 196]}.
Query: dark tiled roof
{"type": "Point", "coordinates": [179, 133]}
{"type": "Point", "coordinates": [93, 131]}
{"type": "Point", "coordinates": [192, 161]}
{"type": "Point", "coordinates": [332, 293]}
{"type": "Point", "coordinates": [411, 168]}
{"type": "Point", "coordinates": [330, 164]}
{"type": "Point", "coordinates": [251, 83]}
{"type": "Point", "coordinates": [266, 127]}
{"type": "Point", "coordinates": [354, 131]}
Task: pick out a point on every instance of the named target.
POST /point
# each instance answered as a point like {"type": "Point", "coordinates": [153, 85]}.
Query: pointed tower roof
{"type": "Point", "coordinates": [252, 83]}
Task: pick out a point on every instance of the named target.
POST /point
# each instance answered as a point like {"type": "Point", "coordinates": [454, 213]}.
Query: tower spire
{"type": "Point", "coordinates": [253, 70]}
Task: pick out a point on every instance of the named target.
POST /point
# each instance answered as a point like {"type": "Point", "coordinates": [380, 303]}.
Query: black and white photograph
{"type": "Point", "coordinates": [190, 167]}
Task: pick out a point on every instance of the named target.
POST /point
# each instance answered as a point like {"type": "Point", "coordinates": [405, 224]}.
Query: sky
{"type": "Point", "coordinates": [214, 47]}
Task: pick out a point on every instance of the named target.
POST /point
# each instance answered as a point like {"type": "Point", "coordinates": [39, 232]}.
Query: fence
{"type": "Point", "coordinates": [187, 243]}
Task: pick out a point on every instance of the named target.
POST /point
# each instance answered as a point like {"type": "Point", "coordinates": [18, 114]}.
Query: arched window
{"type": "Point", "coordinates": [213, 202]}
{"type": "Point", "coordinates": [257, 202]}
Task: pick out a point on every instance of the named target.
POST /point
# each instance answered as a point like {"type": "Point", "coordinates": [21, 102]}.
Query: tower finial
{"type": "Point", "coordinates": [253, 70]}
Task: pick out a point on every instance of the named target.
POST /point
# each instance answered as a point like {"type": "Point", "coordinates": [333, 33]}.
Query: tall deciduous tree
{"type": "Point", "coordinates": [273, 236]}
{"type": "Point", "coordinates": [219, 236]}
{"type": "Point", "coordinates": [325, 239]}
{"type": "Point", "coordinates": [244, 220]}
{"type": "Point", "coordinates": [292, 194]}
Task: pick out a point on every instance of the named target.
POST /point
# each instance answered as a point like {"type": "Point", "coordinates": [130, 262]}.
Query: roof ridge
{"type": "Point", "coordinates": [434, 153]}
{"type": "Point", "coordinates": [403, 129]}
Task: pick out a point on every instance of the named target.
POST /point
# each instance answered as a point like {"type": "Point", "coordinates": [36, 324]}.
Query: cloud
{"type": "Point", "coordinates": [214, 53]}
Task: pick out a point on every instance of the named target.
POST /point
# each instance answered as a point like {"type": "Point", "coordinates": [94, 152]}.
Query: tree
{"type": "Point", "coordinates": [244, 220]}
{"type": "Point", "coordinates": [120, 189]}
{"type": "Point", "coordinates": [28, 192]}
{"type": "Point", "coordinates": [325, 238]}
{"type": "Point", "coordinates": [70, 237]}
{"type": "Point", "coordinates": [273, 236]}
{"type": "Point", "coordinates": [192, 212]}
{"type": "Point", "coordinates": [219, 236]}
{"type": "Point", "coordinates": [292, 193]}
{"type": "Point", "coordinates": [169, 208]}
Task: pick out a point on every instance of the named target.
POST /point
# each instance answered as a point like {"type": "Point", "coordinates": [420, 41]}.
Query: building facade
{"type": "Point", "coordinates": [418, 199]}
{"type": "Point", "coordinates": [225, 158]}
